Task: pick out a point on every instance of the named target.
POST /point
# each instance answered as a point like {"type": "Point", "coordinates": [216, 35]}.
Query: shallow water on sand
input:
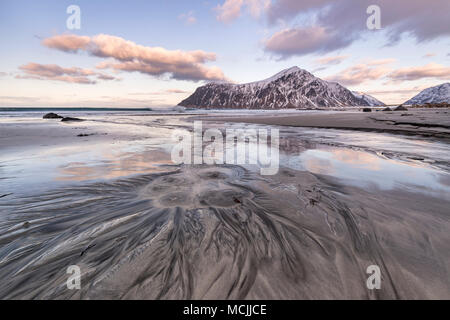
{"type": "Point", "coordinates": [140, 227]}
{"type": "Point", "coordinates": [365, 169]}
{"type": "Point", "coordinates": [143, 143]}
{"type": "Point", "coordinates": [368, 160]}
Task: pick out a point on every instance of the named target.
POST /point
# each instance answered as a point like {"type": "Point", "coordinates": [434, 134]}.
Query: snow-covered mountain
{"type": "Point", "coordinates": [290, 88]}
{"type": "Point", "coordinates": [437, 94]}
{"type": "Point", "coordinates": [371, 101]}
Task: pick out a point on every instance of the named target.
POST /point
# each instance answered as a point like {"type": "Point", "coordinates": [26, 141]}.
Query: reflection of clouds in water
{"type": "Point", "coordinates": [115, 165]}
{"type": "Point", "coordinates": [361, 159]}
{"type": "Point", "coordinates": [317, 165]}
{"type": "Point", "coordinates": [394, 144]}
{"type": "Point", "coordinates": [363, 169]}
{"type": "Point", "coordinates": [326, 162]}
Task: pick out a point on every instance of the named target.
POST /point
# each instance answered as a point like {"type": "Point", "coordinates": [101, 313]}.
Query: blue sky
{"type": "Point", "coordinates": [249, 39]}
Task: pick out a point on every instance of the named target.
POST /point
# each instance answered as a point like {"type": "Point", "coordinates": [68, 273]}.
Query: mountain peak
{"type": "Point", "coordinates": [289, 88]}
{"type": "Point", "coordinates": [286, 72]}
{"type": "Point", "coordinates": [436, 94]}
{"type": "Point", "coordinates": [289, 70]}
{"type": "Point", "coordinates": [279, 75]}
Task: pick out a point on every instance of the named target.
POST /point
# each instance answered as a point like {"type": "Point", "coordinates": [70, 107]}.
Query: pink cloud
{"type": "Point", "coordinates": [57, 73]}
{"type": "Point", "coordinates": [431, 70]}
{"type": "Point", "coordinates": [176, 91]}
{"type": "Point", "coordinates": [380, 62]}
{"type": "Point", "coordinates": [299, 41]}
{"type": "Point", "coordinates": [345, 21]}
{"type": "Point", "coordinates": [376, 69]}
{"type": "Point", "coordinates": [358, 74]}
{"type": "Point", "coordinates": [162, 92]}
{"type": "Point", "coordinates": [105, 77]}
{"type": "Point", "coordinates": [67, 42]}
{"type": "Point", "coordinates": [188, 18]}
{"type": "Point", "coordinates": [232, 9]}
{"type": "Point", "coordinates": [285, 9]}
{"type": "Point", "coordinates": [331, 60]}
{"type": "Point", "coordinates": [129, 56]}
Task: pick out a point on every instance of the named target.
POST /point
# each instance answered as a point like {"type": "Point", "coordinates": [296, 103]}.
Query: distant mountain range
{"type": "Point", "coordinates": [437, 94]}
{"type": "Point", "coordinates": [290, 88]}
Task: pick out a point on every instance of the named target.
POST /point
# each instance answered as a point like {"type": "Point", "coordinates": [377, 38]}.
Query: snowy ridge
{"type": "Point", "coordinates": [280, 74]}
{"type": "Point", "coordinates": [369, 99]}
{"type": "Point", "coordinates": [437, 94]}
{"type": "Point", "coordinates": [290, 88]}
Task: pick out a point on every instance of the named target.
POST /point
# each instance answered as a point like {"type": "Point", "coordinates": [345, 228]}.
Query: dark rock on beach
{"type": "Point", "coordinates": [52, 115]}
{"type": "Point", "coordinates": [66, 119]}
{"type": "Point", "coordinates": [367, 110]}
{"type": "Point", "coordinates": [387, 109]}
{"type": "Point", "coordinates": [400, 108]}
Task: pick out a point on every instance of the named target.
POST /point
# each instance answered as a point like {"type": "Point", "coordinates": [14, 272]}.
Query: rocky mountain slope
{"type": "Point", "coordinates": [437, 94]}
{"type": "Point", "coordinates": [290, 88]}
{"type": "Point", "coordinates": [369, 99]}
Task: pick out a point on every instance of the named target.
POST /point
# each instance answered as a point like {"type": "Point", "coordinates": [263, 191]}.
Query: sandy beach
{"type": "Point", "coordinates": [139, 227]}
{"type": "Point", "coordinates": [425, 122]}
{"type": "Point", "coordinates": [225, 159]}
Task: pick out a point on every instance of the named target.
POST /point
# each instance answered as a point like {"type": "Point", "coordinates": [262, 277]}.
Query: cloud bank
{"type": "Point", "coordinates": [431, 70]}
{"type": "Point", "coordinates": [298, 41]}
{"type": "Point", "coordinates": [338, 24]}
{"type": "Point", "coordinates": [377, 69]}
{"type": "Point", "coordinates": [358, 74]}
{"type": "Point", "coordinates": [128, 56]}
{"type": "Point", "coordinates": [57, 73]}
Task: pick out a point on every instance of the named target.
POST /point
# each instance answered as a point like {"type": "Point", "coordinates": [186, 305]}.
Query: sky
{"type": "Point", "coordinates": [156, 53]}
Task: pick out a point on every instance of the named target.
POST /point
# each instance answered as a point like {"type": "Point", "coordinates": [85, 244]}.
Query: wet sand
{"type": "Point", "coordinates": [424, 122]}
{"type": "Point", "coordinates": [219, 231]}
{"type": "Point", "coordinates": [225, 233]}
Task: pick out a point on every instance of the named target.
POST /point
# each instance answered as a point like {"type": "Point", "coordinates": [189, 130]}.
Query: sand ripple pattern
{"type": "Point", "coordinates": [201, 233]}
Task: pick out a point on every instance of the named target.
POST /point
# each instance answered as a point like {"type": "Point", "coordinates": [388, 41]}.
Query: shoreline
{"type": "Point", "coordinates": [423, 122]}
